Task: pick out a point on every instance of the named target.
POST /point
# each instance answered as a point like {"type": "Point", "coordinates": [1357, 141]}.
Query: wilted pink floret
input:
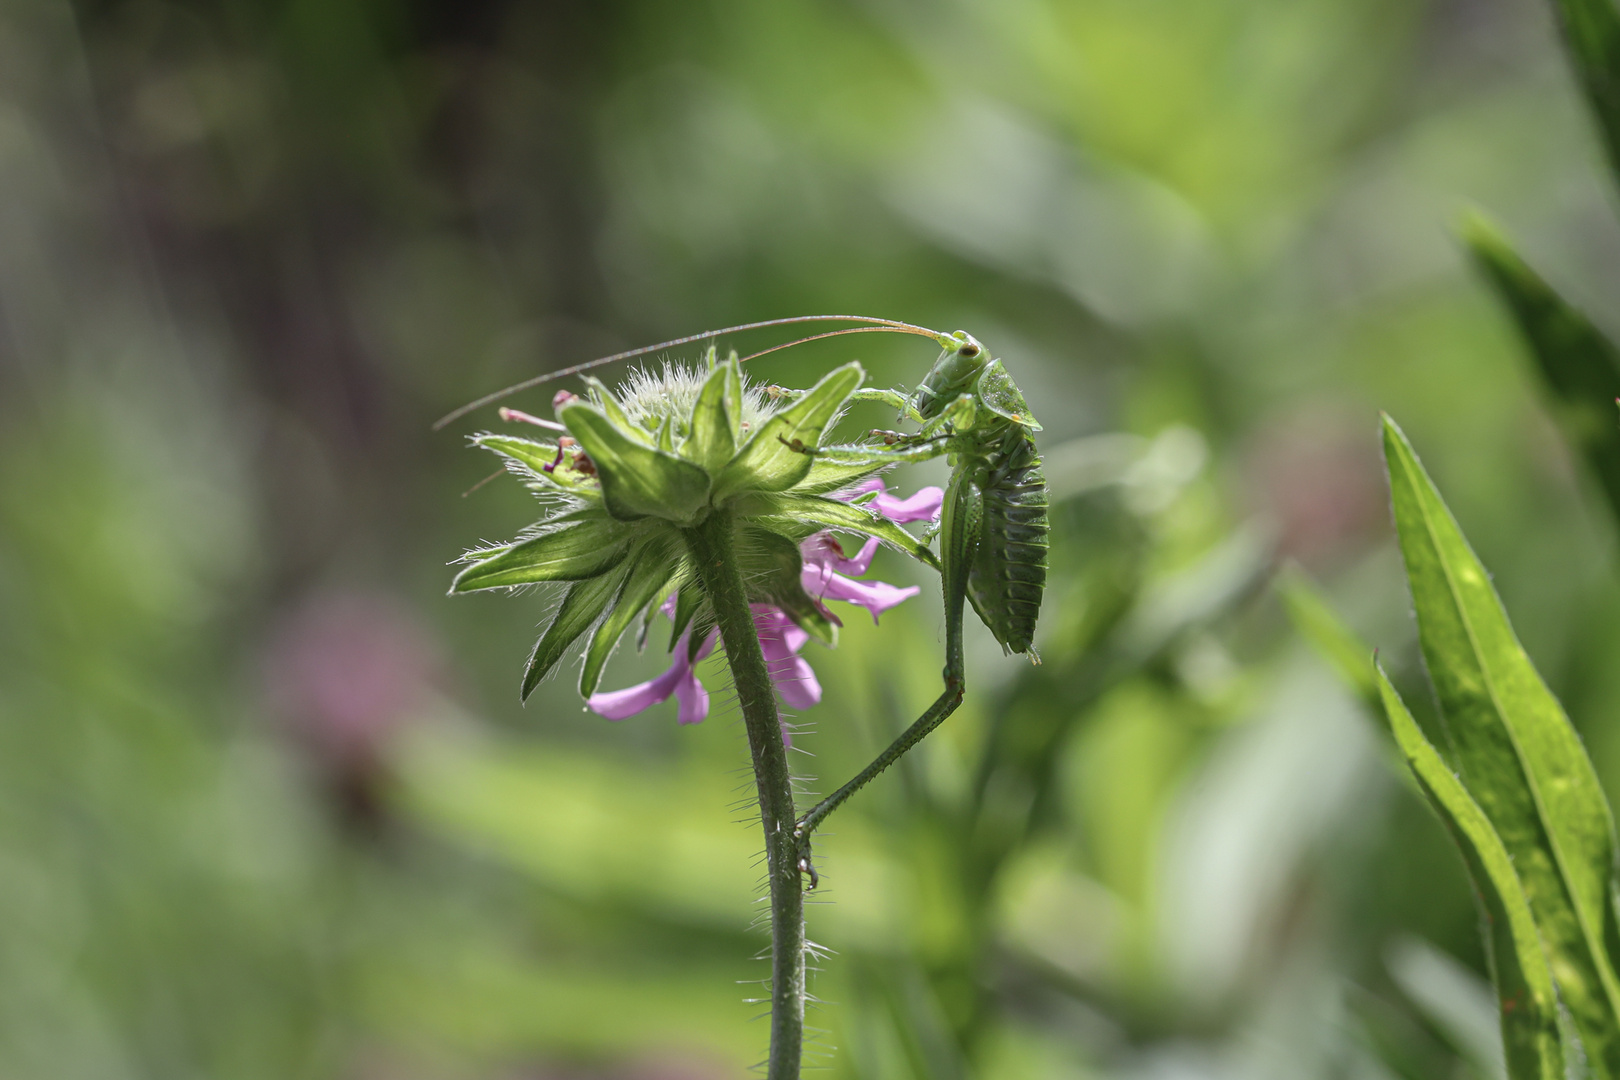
{"type": "Point", "coordinates": [779, 637]}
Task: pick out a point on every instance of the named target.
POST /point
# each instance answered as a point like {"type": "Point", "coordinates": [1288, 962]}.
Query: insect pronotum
{"type": "Point", "coordinates": [993, 527]}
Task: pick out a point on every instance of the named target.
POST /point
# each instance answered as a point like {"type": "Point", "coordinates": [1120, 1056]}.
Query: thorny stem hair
{"type": "Point", "coordinates": [710, 543]}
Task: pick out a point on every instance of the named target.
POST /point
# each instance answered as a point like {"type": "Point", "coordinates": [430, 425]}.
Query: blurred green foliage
{"type": "Point", "coordinates": [268, 803]}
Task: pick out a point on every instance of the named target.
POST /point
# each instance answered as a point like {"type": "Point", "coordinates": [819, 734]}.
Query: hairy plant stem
{"type": "Point", "coordinates": [711, 544]}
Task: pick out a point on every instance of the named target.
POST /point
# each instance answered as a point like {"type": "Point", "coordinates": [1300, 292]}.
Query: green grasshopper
{"type": "Point", "coordinates": [993, 526]}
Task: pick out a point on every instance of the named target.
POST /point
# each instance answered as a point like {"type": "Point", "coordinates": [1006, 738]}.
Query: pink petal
{"type": "Point", "coordinates": [796, 682]}
{"type": "Point", "coordinates": [620, 704]}
{"type": "Point", "coordinates": [780, 639]}
{"type": "Point", "coordinates": [875, 596]}
{"type": "Point", "coordinates": [923, 506]}
{"type": "Point", "coordinates": [822, 550]}
{"type": "Point", "coordinates": [693, 699]}
{"type": "Point", "coordinates": [679, 680]}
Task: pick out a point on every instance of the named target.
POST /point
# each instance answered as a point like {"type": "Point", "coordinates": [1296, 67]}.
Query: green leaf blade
{"type": "Point", "coordinates": [584, 604]}
{"type": "Point", "coordinates": [1592, 35]}
{"type": "Point", "coordinates": [1531, 1035]}
{"type": "Point", "coordinates": [714, 438]}
{"type": "Point", "coordinates": [1577, 361]}
{"type": "Point", "coordinates": [774, 458]}
{"type": "Point", "coordinates": [637, 480]}
{"type": "Point", "coordinates": [1516, 750]}
{"type": "Point", "coordinates": [572, 553]}
{"type": "Point", "coordinates": [772, 566]}
{"type": "Point", "coordinates": [833, 471]}
{"type": "Point", "coordinates": [826, 513]}
{"type": "Point", "coordinates": [534, 455]}
{"type": "Point", "coordinates": [650, 573]}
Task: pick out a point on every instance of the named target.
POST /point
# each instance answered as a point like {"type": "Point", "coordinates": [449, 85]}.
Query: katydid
{"type": "Point", "coordinates": [993, 526]}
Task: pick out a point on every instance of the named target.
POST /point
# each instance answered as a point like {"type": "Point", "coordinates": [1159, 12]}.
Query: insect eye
{"type": "Point", "coordinates": [969, 351]}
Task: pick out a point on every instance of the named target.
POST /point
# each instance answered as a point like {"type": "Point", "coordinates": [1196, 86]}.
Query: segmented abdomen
{"type": "Point", "coordinates": [1008, 574]}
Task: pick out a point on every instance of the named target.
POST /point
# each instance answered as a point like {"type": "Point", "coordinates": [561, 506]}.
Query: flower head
{"type": "Point", "coordinates": [638, 469]}
{"type": "Point", "coordinates": [780, 637]}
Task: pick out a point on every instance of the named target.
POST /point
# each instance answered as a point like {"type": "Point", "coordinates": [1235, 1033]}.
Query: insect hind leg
{"type": "Point", "coordinates": [964, 507]}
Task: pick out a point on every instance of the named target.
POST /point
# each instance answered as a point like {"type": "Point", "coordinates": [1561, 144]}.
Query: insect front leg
{"type": "Point", "coordinates": [907, 448]}
{"type": "Point", "coordinates": [899, 401]}
{"type": "Point", "coordinates": [963, 512]}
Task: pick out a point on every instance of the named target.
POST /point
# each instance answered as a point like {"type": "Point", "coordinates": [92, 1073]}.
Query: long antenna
{"type": "Point", "coordinates": [892, 325]}
{"type": "Point", "coordinates": [920, 332]}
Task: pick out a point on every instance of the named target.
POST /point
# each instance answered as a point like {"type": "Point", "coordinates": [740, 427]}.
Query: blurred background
{"type": "Point", "coordinates": [269, 806]}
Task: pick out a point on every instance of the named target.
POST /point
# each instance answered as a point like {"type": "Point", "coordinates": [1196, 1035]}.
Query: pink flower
{"type": "Point", "coordinates": [923, 506]}
{"type": "Point", "coordinates": [680, 680]}
{"type": "Point", "coordinates": [779, 637]}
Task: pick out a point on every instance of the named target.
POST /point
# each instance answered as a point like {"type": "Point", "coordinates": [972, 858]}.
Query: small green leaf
{"type": "Point", "coordinates": [637, 480]}
{"type": "Point", "coordinates": [533, 459]}
{"type": "Point", "coordinates": [713, 441]}
{"type": "Point", "coordinates": [1578, 362]}
{"type": "Point", "coordinates": [686, 603]}
{"type": "Point", "coordinates": [535, 455]}
{"type": "Point", "coordinates": [653, 567]}
{"type": "Point", "coordinates": [584, 604]}
{"type": "Point", "coordinates": [998, 394]}
{"type": "Point", "coordinates": [830, 472]}
{"type": "Point", "coordinates": [734, 395]}
{"type": "Point", "coordinates": [835, 514]}
{"type": "Point", "coordinates": [1516, 751]}
{"type": "Point", "coordinates": [772, 566]}
{"type": "Point", "coordinates": [1592, 34]}
{"type": "Point", "coordinates": [571, 553]}
{"type": "Point", "coordinates": [774, 459]}
{"type": "Point", "coordinates": [1519, 965]}
{"type": "Point", "coordinates": [604, 399]}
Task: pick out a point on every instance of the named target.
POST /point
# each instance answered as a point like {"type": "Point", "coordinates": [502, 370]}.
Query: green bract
{"type": "Point", "coordinates": [641, 468]}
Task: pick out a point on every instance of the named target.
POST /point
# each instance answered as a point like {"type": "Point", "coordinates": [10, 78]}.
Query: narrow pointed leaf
{"type": "Point", "coordinates": [703, 624]}
{"type": "Point", "coordinates": [829, 473]}
{"type": "Point", "coordinates": [713, 441]}
{"type": "Point", "coordinates": [772, 566]}
{"type": "Point", "coordinates": [1578, 362]}
{"type": "Point", "coordinates": [584, 604]}
{"type": "Point", "coordinates": [651, 571]}
{"type": "Point", "coordinates": [535, 455]}
{"type": "Point", "coordinates": [571, 553]}
{"type": "Point", "coordinates": [1519, 965]}
{"type": "Point", "coordinates": [637, 480]}
{"type": "Point", "coordinates": [686, 605]}
{"type": "Point", "coordinates": [834, 514]}
{"type": "Point", "coordinates": [1592, 35]}
{"type": "Point", "coordinates": [774, 458]}
{"type": "Point", "coordinates": [613, 411]}
{"type": "Point", "coordinates": [734, 396]}
{"type": "Point", "coordinates": [1516, 751]}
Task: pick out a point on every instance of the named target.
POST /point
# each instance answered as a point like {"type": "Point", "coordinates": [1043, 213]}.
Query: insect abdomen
{"type": "Point", "coordinates": [1008, 575]}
